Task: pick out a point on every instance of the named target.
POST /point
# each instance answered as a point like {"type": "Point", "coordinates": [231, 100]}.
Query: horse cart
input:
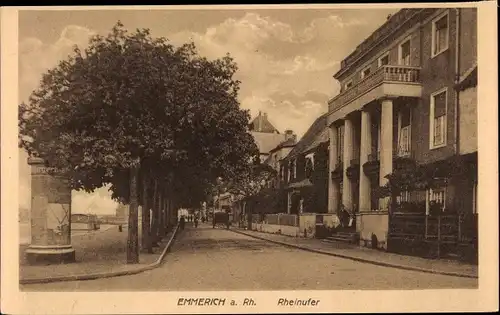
{"type": "Point", "coordinates": [220, 218]}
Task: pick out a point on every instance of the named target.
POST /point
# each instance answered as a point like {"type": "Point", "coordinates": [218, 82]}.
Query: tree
{"type": "Point", "coordinates": [250, 183]}
{"type": "Point", "coordinates": [131, 106]}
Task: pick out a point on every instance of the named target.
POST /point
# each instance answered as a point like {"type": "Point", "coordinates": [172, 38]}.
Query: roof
{"type": "Point", "coordinates": [267, 160]}
{"type": "Point", "coordinates": [314, 136]}
{"type": "Point", "coordinates": [267, 141]}
{"type": "Point", "coordinates": [261, 124]}
{"type": "Point", "coordinates": [291, 142]}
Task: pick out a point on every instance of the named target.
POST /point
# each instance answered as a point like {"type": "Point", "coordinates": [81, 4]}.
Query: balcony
{"type": "Point", "coordinates": [385, 81]}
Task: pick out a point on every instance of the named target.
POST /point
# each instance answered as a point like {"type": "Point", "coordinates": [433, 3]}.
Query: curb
{"type": "Point", "coordinates": [102, 275]}
{"type": "Point", "coordinates": [368, 261]}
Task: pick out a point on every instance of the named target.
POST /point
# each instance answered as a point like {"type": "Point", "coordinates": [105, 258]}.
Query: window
{"type": "Point", "coordinates": [340, 142]}
{"type": "Point", "coordinates": [309, 167]}
{"type": "Point", "coordinates": [295, 168]}
{"type": "Point", "coordinates": [384, 60]}
{"type": "Point", "coordinates": [438, 119]}
{"type": "Point", "coordinates": [366, 72]}
{"type": "Point", "coordinates": [404, 144]}
{"type": "Point", "coordinates": [440, 34]}
{"type": "Point", "coordinates": [404, 53]}
{"type": "Point", "coordinates": [404, 141]}
{"type": "Point", "coordinates": [348, 85]}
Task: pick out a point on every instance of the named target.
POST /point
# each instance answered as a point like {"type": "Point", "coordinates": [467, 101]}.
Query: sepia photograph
{"type": "Point", "coordinates": [247, 150]}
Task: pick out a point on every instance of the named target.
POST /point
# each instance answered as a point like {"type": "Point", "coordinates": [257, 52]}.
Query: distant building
{"type": "Point", "coordinates": [280, 152]}
{"type": "Point", "coordinates": [266, 136]}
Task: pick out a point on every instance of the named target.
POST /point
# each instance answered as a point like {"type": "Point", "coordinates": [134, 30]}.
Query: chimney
{"type": "Point", "coordinates": [289, 134]}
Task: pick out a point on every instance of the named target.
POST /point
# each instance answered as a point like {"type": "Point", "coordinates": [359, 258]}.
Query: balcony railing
{"type": "Point", "coordinates": [404, 152]}
{"type": "Point", "coordinates": [387, 73]}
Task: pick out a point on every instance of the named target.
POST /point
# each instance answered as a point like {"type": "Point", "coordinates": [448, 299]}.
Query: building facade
{"type": "Point", "coordinates": [278, 154]}
{"type": "Point", "coordinates": [304, 172]}
{"type": "Point", "coordinates": [399, 101]}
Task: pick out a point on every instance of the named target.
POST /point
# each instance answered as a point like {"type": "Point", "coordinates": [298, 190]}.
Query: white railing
{"type": "Point", "coordinates": [387, 73]}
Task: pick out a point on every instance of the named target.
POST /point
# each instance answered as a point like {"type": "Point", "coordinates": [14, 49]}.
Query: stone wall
{"type": "Point", "coordinates": [276, 229]}
{"type": "Point", "coordinates": [373, 223]}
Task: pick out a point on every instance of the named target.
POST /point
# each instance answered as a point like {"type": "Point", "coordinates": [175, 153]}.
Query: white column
{"type": "Point", "coordinates": [333, 186]}
{"type": "Point", "coordinates": [386, 150]}
{"type": "Point", "coordinates": [366, 144]}
{"type": "Point", "coordinates": [348, 152]}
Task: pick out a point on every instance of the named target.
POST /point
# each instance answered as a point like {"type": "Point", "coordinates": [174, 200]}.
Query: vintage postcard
{"type": "Point", "coordinates": [249, 159]}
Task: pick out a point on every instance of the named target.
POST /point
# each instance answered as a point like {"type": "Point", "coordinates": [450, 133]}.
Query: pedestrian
{"type": "Point", "coordinates": [182, 222]}
{"type": "Point", "coordinates": [196, 221]}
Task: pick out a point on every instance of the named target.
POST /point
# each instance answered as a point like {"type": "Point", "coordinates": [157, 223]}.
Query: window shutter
{"type": "Point", "coordinates": [440, 105]}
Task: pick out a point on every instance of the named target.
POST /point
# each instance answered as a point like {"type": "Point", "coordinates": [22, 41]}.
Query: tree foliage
{"type": "Point", "coordinates": [130, 99]}
{"type": "Point", "coordinates": [251, 181]}
{"type": "Point", "coordinates": [130, 105]}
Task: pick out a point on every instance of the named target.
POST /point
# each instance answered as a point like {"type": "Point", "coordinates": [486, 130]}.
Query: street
{"type": "Point", "coordinates": [218, 259]}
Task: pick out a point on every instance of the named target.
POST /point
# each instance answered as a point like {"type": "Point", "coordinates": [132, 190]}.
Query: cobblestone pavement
{"type": "Point", "coordinates": [217, 259]}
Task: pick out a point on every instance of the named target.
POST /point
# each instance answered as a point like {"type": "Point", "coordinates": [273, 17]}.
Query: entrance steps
{"type": "Point", "coordinates": [345, 237]}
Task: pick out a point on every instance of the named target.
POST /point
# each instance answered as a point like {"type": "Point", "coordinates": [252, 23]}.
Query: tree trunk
{"type": "Point", "coordinates": [165, 214]}
{"type": "Point", "coordinates": [161, 205]}
{"type": "Point", "coordinates": [175, 216]}
{"type": "Point", "coordinates": [249, 217]}
{"type": "Point", "coordinates": [154, 223]}
{"type": "Point", "coordinates": [146, 228]}
{"type": "Point", "coordinates": [243, 211]}
{"type": "Point", "coordinates": [133, 228]}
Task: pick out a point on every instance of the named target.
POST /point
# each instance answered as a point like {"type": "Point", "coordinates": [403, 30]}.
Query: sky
{"type": "Point", "coordinates": [286, 58]}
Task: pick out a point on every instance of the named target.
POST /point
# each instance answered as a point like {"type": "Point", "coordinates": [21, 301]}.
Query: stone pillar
{"type": "Point", "coordinates": [386, 150]}
{"type": "Point", "coordinates": [50, 217]}
{"type": "Point", "coordinates": [365, 150]}
{"type": "Point", "coordinates": [333, 186]}
{"type": "Point", "coordinates": [348, 155]}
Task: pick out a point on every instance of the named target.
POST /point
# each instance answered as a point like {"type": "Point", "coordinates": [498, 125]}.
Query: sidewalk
{"type": "Point", "coordinates": [100, 253]}
{"type": "Point", "coordinates": [349, 251]}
